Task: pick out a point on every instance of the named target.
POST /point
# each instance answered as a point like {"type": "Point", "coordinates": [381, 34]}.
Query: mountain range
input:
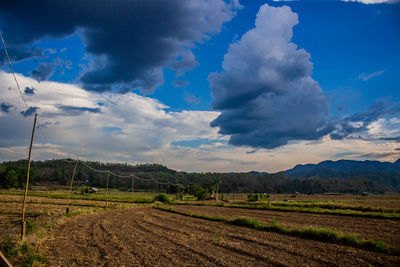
{"type": "Point", "coordinates": [343, 169]}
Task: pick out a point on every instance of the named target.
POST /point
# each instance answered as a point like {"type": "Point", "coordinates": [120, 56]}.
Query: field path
{"type": "Point", "coordinates": [144, 236]}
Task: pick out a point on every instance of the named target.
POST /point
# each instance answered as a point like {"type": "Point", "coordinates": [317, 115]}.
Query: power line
{"type": "Point", "coordinates": [12, 70]}
{"type": "Point", "coordinates": [47, 140]}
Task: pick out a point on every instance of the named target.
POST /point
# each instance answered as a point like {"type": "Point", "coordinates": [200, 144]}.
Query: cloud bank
{"type": "Point", "coordinates": [130, 41]}
{"type": "Point", "coordinates": [265, 92]}
{"type": "Point", "coordinates": [137, 129]}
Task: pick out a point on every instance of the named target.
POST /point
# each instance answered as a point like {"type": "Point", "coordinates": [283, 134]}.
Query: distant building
{"type": "Point", "coordinates": [94, 190]}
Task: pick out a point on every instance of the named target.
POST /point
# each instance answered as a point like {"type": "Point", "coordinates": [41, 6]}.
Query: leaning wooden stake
{"type": "Point", "coordinates": [133, 189]}
{"type": "Point", "coordinates": [108, 174]}
{"type": "Point", "coordinates": [70, 186]}
{"type": "Point", "coordinates": [23, 223]}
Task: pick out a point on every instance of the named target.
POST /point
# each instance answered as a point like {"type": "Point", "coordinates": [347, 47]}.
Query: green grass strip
{"type": "Point", "coordinates": [99, 197]}
{"type": "Point", "coordinates": [320, 234]}
{"type": "Point", "coordinates": [263, 206]}
{"type": "Point", "coordinates": [334, 206]}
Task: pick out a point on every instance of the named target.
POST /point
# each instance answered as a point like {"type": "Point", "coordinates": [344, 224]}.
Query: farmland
{"type": "Point", "coordinates": [138, 234]}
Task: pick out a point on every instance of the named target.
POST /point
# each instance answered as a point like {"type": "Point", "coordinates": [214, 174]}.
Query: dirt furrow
{"type": "Point", "coordinates": [370, 228]}
{"type": "Point", "coordinates": [286, 247]}
{"type": "Point", "coordinates": [148, 237]}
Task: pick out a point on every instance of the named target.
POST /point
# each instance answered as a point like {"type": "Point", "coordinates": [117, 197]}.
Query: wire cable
{"type": "Point", "coordinates": [12, 70]}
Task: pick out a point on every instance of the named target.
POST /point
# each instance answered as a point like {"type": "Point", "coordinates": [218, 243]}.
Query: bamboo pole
{"type": "Point", "coordinates": [70, 186]}
{"type": "Point", "coordinates": [23, 223]}
{"type": "Point", "coordinates": [108, 174]}
{"type": "Point", "coordinates": [133, 189]}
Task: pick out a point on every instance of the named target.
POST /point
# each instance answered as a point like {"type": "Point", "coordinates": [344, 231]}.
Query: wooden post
{"type": "Point", "coordinates": [133, 189]}
{"type": "Point", "coordinates": [70, 186]}
{"type": "Point", "coordinates": [23, 223]}
{"type": "Point", "coordinates": [108, 174]}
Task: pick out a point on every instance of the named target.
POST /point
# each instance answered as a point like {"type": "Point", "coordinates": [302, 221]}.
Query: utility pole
{"type": "Point", "coordinates": [70, 186]}
{"type": "Point", "coordinates": [23, 223]}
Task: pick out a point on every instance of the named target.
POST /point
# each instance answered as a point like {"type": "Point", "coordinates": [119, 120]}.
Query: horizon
{"type": "Point", "coordinates": [203, 86]}
{"type": "Point", "coordinates": [155, 163]}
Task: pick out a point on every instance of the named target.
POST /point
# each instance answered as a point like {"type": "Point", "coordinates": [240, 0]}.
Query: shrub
{"type": "Point", "coordinates": [162, 197]}
{"type": "Point", "coordinates": [257, 197]}
{"type": "Point", "coordinates": [84, 189]}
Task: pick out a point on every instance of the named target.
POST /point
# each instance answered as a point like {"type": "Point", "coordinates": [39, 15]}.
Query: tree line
{"type": "Point", "coordinates": [59, 172]}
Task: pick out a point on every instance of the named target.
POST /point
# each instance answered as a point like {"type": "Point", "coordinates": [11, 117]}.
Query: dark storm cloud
{"type": "Point", "coordinates": [19, 53]}
{"type": "Point", "coordinates": [73, 110]}
{"type": "Point", "coordinates": [131, 41]}
{"type": "Point", "coordinates": [29, 111]}
{"type": "Point", "coordinates": [42, 72]}
{"type": "Point", "coordinates": [265, 92]}
{"type": "Point", "coordinates": [5, 107]}
{"type": "Point", "coordinates": [29, 91]}
{"type": "Point", "coordinates": [360, 121]}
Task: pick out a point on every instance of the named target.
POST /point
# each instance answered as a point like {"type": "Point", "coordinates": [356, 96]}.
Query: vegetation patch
{"type": "Point", "coordinates": [162, 197]}
{"type": "Point", "coordinates": [21, 253]}
{"type": "Point", "coordinates": [317, 210]}
{"type": "Point", "coordinates": [320, 234]}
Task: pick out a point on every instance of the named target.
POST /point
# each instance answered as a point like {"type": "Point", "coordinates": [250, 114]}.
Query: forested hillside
{"type": "Point", "coordinates": [13, 174]}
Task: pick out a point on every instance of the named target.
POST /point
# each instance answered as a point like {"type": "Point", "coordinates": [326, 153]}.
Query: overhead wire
{"type": "Point", "coordinates": [12, 70]}
{"type": "Point", "coordinates": [47, 140]}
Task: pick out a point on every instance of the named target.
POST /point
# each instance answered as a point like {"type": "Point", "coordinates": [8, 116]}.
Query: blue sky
{"type": "Point", "coordinates": [209, 81]}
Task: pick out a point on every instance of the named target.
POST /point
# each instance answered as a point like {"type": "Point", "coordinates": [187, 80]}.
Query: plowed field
{"type": "Point", "coordinates": [369, 228]}
{"type": "Point", "coordinates": [144, 236]}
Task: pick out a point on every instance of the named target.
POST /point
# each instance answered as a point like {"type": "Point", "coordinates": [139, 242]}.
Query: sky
{"type": "Point", "coordinates": [201, 85]}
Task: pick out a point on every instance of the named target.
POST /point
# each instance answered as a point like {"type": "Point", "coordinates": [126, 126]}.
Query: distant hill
{"type": "Point", "coordinates": [343, 169]}
{"type": "Point", "coordinates": [343, 176]}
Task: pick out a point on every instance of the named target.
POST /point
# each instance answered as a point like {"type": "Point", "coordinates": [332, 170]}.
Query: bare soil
{"type": "Point", "coordinates": [144, 236]}
{"type": "Point", "coordinates": [39, 210]}
{"type": "Point", "coordinates": [369, 228]}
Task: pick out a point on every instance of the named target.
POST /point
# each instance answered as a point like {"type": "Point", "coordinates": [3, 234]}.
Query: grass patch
{"type": "Point", "coordinates": [113, 197]}
{"type": "Point", "coordinates": [21, 253]}
{"type": "Point", "coordinates": [194, 215]}
{"type": "Point", "coordinates": [81, 211]}
{"type": "Point", "coordinates": [317, 210]}
{"type": "Point", "coordinates": [164, 198]}
{"type": "Point", "coordinates": [320, 234]}
{"type": "Point", "coordinates": [31, 227]}
{"type": "Point", "coordinates": [334, 206]}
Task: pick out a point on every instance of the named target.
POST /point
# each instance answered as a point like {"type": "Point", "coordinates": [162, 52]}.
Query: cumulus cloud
{"type": "Point", "coordinates": [138, 129]}
{"type": "Point", "coordinates": [93, 125]}
{"type": "Point", "coordinates": [378, 121]}
{"type": "Point", "coordinates": [130, 41]}
{"type": "Point", "coordinates": [265, 92]}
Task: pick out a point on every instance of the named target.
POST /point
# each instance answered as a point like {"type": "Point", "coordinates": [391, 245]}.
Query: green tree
{"type": "Point", "coordinates": [11, 179]}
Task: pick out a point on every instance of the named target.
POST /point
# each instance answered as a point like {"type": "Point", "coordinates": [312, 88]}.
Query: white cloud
{"type": "Point", "coordinates": [137, 129]}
